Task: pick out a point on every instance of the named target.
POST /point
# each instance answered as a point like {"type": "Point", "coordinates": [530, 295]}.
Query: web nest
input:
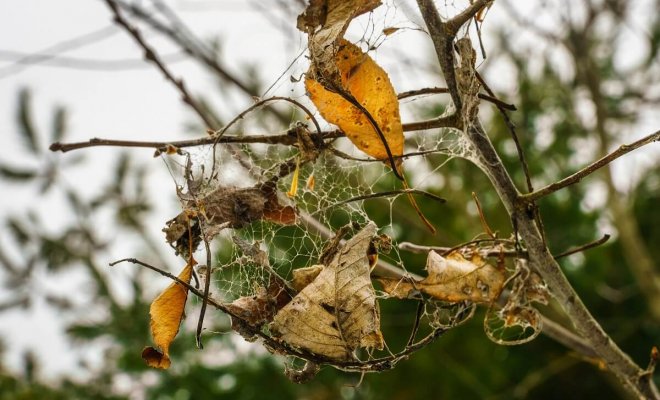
{"type": "Point", "coordinates": [299, 253]}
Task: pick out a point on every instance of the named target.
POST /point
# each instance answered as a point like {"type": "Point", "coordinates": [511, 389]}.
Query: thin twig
{"type": "Point", "coordinates": [389, 194]}
{"type": "Point", "coordinates": [286, 139]}
{"type": "Point", "coordinates": [512, 130]}
{"type": "Point", "coordinates": [418, 317]}
{"type": "Point", "coordinates": [449, 121]}
{"type": "Point", "coordinates": [589, 169]}
{"type": "Point", "coordinates": [343, 155]}
{"type": "Point", "coordinates": [454, 24]}
{"type": "Point", "coordinates": [433, 90]}
{"type": "Point", "coordinates": [418, 248]}
{"type": "Point", "coordinates": [207, 287]}
{"type": "Point", "coordinates": [482, 217]}
{"type": "Point", "coordinates": [584, 247]}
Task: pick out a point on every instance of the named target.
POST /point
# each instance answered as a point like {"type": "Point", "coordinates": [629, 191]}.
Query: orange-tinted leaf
{"type": "Point", "coordinates": [294, 182]}
{"type": "Point", "coordinates": [371, 87]}
{"type": "Point", "coordinates": [275, 212]}
{"type": "Point", "coordinates": [155, 358]}
{"type": "Point", "coordinates": [326, 21]}
{"type": "Point", "coordinates": [166, 313]}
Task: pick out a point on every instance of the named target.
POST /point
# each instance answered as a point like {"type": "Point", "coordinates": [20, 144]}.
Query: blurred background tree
{"type": "Point", "coordinates": [584, 78]}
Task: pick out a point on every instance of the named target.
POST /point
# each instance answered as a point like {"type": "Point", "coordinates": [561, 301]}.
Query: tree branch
{"type": "Point", "coordinates": [286, 139]}
{"type": "Point", "coordinates": [591, 168]}
{"type": "Point", "coordinates": [489, 161]}
{"type": "Point", "coordinates": [436, 90]}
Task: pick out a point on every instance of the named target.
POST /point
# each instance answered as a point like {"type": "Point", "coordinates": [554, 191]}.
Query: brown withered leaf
{"type": "Point", "coordinates": [337, 312]}
{"type": "Point", "coordinates": [451, 279]}
{"type": "Point", "coordinates": [370, 86]}
{"type": "Point", "coordinates": [166, 312]}
{"type": "Point", "coordinates": [225, 207]}
{"type": "Point", "coordinates": [260, 308]}
{"type": "Point", "coordinates": [325, 21]}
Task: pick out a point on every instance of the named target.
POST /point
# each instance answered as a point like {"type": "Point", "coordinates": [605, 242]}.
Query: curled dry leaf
{"type": "Point", "coordinates": [369, 84]}
{"type": "Point", "coordinates": [225, 207]}
{"type": "Point", "coordinates": [166, 313]}
{"type": "Point", "coordinates": [325, 21]}
{"type": "Point", "coordinates": [337, 312]}
{"type": "Point", "coordinates": [451, 279]}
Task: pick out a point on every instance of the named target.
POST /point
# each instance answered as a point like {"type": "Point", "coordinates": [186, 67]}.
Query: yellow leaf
{"type": "Point", "coordinates": [369, 84]}
{"type": "Point", "coordinates": [452, 279]}
{"type": "Point", "coordinates": [166, 313]}
{"type": "Point", "coordinates": [294, 181]}
{"type": "Point", "coordinates": [326, 21]}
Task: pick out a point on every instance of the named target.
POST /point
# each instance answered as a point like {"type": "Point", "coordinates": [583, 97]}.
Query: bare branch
{"type": "Point", "coordinates": [435, 90]}
{"type": "Point", "coordinates": [454, 24]}
{"type": "Point", "coordinates": [586, 325]}
{"type": "Point", "coordinates": [589, 169]}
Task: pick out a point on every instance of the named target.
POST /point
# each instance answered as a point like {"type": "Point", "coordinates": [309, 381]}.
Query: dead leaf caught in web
{"type": "Point", "coordinates": [337, 312]}
{"type": "Point", "coordinates": [370, 86]}
{"type": "Point", "coordinates": [452, 279]}
{"type": "Point", "coordinates": [166, 313]}
{"type": "Point", "coordinates": [258, 309]}
{"type": "Point", "coordinates": [325, 21]}
{"type": "Point", "coordinates": [518, 321]}
{"type": "Point", "coordinates": [226, 207]}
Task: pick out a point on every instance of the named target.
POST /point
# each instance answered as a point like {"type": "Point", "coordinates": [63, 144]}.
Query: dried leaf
{"type": "Point", "coordinates": [277, 213]}
{"type": "Point", "coordinates": [371, 87]}
{"type": "Point", "coordinates": [166, 313]}
{"type": "Point", "coordinates": [304, 276]}
{"type": "Point", "coordinates": [311, 183]}
{"type": "Point", "coordinates": [390, 30]}
{"type": "Point", "coordinates": [337, 312]}
{"type": "Point", "coordinates": [225, 207]}
{"type": "Point", "coordinates": [294, 182]}
{"type": "Point", "coordinates": [517, 321]}
{"type": "Point", "coordinates": [326, 21]}
{"type": "Point", "coordinates": [452, 279]}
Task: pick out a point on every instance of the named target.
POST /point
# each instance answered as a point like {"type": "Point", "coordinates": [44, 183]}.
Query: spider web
{"type": "Point", "coordinates": [332, 192]}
